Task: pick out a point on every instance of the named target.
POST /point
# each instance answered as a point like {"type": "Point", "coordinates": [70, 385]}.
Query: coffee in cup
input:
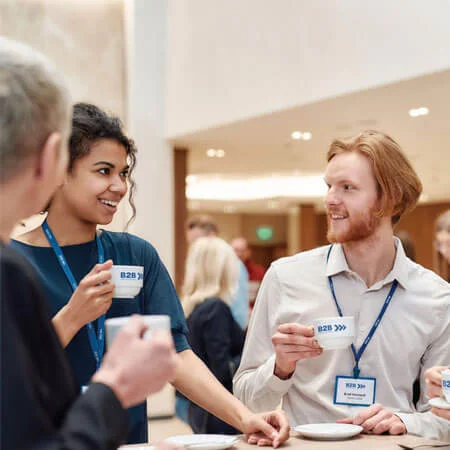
{"type": "Point", "coordinates": [128, 280]}
{"type": "Point", "coordinates": [334, 333]}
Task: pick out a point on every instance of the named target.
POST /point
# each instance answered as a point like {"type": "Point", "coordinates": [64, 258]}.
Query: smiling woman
{"type": "Point", "coordinates": [74, 260]}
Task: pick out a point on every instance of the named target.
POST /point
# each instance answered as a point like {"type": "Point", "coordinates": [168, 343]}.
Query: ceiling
{"type": "Point", "coordinates": [263, 147]}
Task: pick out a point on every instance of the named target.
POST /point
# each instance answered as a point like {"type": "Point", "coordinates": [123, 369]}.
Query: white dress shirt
{"type": "Point", "coordinates": [412, 336]}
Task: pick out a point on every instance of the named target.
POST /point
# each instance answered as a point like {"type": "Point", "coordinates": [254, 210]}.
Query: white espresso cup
{"type": "Point", "coordinates": [128, 280]}
{"type": "Point", "coordinates": [153, 322]}
{"type": "Point", "coordinates": [334, 333]}
{"type": "Point", "coordinates": [446, 385]}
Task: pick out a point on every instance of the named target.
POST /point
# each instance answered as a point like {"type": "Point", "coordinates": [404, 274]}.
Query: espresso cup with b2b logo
{"type": "Point", "coordinates": [128, 280]}
{"type": "Point", "coordinates": [334, 333]}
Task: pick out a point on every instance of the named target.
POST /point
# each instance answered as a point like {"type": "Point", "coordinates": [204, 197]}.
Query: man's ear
{"type": "Point", "coordinates": [49, 157]}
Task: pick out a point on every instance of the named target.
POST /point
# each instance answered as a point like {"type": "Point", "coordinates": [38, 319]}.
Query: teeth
{"type": "Point", "coordinates": [335, 216]}
{"type": "Point", "coordinates": [109, 202]}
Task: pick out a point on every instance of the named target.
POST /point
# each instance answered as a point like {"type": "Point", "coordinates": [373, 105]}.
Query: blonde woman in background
{"type": "Point", "coordinates": [442, 245]}
{"type": "Point", "coordinates": [211, 279]}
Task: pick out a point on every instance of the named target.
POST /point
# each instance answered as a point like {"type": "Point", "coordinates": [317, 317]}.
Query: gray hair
{"type": "Point", "coordinates": [34, 102]}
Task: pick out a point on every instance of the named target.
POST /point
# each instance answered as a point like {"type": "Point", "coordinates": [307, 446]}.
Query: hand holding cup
{"type": "Point", "coordinates": [293, 342]}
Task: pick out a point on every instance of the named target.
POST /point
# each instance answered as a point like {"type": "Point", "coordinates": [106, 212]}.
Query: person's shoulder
{"type": "Point", "coordinates": [303, 259]}
{"type": "Point", "coordinates": [15, 268]}
{"type": "Point", "coordinates": [426, 279]}
{"type": "Point", "coordinates": [131, 241]}
{"type": "Point", "coordinates": [34, 237]}
{"type": "Point", "coordinates": [211, 307]}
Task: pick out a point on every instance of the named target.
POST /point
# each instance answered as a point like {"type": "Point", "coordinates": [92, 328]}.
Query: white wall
{"type": "Point", "coordinates": [235, 59]}
{"type": "Point", "coordinates": [84, 38]}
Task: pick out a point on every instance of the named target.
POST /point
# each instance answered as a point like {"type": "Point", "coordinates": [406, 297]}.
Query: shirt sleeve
{"type": "Point", "coordinates": [39, 405]}
{"type": "Point", "coordinates": [424, 423]}
{"type": "Point", "coordinates": [254, 383]}
{"type": "Point", "coordinates": [239, 305]}
{"type": "Point", "coordinates": [161, 297]}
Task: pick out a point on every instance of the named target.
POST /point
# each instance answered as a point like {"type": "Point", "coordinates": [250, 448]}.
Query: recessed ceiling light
{"type": "Point", "coordinates": [305, 136]}
{"type": "Point", "coordinates": [220, 153]}
{"type": "Point", "coordinates": [211, 153]}
{"type": "Point", "coordinates": [417, 112]}
{"type": "Point", "coordinates": [229, 209]}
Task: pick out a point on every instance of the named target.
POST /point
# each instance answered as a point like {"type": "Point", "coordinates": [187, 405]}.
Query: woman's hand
{"type": "Point", "coordinates": [91, 299]}
{"type": "Point", "coordinates": [270, 428]}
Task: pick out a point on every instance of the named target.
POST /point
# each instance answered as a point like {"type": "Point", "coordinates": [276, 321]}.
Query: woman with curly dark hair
{"type": "Point", "coordinates": [74, 258]}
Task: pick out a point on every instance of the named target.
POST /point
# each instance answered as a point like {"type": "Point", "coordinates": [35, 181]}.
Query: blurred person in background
{"type": "Point", "coordinates": [255, 271]}
{"type": "Point", "coordinates": [204, 225]}
{"type": "Point", "coordinates": [442, 245]}
{"type": "Point", "coordinates": [210, 283]}
{"type": "Point", "coordinates": [41, 405]}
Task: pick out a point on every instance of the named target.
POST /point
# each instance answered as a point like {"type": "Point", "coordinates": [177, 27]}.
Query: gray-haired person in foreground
{"type": "Point", "coordinates": [40, 403]}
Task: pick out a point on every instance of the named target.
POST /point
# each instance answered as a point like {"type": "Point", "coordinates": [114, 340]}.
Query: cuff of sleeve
{"type": "Point", "coordinates": [274, 383]}
{"type": "Point", "coordinates": [409, 420]}
{"type": "Point", "coordinates": [115, 415]}
{"type": "Point", "coordinates": [180, 341]}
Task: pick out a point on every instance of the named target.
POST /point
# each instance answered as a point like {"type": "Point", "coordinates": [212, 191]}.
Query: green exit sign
{"type": "Point", "coordinates": [264, 233]}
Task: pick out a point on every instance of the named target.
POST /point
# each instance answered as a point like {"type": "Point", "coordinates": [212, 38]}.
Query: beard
{"type": "Point", "coordinates": [360, 226]}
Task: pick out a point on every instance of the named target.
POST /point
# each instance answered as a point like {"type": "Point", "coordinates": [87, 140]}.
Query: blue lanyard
{"type": "Point", "coordinates": [357, 354]}
{"type": "Point", "coordinates": [97, 342]}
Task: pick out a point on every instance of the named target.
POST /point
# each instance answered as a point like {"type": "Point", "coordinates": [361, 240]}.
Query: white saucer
{"type": "Point", "coordinates": [127, 447]}
{"type": "Point", "coordinates": [204, 441]}
{"type": "Point", "coordinates": [328, 431]}
{"type": "Point", "coordinates": [439, 402]}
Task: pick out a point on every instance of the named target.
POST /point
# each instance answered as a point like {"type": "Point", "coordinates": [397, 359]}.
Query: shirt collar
{"type": "Point", "coordinates": [337, 263]}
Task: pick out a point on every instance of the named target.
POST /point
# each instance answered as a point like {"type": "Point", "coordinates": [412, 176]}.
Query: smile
{"type": "Point", "coordinates": [109, 203]}
{"type": "Point", "coordinates": [337, 217]}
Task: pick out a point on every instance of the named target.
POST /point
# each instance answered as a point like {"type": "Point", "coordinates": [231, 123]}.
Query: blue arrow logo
{"type": "Point", "coordinates": [339, 327]}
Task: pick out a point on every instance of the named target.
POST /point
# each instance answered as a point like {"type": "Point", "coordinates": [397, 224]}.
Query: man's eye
{"type": "Point", "coordinates": [348, 187]}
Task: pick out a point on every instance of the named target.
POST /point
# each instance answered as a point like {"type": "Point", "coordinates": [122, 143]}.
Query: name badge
{"type": "Point", "coordinates": [354, 391]}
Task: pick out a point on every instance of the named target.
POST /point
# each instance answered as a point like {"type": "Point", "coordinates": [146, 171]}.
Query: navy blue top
{"type": "Point", "coordinates": [158, 296]}
{"type": "Point", "coordinates": [217, 339]}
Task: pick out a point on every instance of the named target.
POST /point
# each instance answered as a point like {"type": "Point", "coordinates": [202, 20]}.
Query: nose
{"type": "Point", "coordinates": [119, 185]}
{"type": "Point", "coordinates": [332, 197]}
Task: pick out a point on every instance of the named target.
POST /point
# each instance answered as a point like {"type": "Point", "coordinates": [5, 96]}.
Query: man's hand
{"type": "Point", "coordinates": [135, 368]}
{"type": "Point", "coordinates": [433, 380]}
{"type": "Point", "coordinates": [265, 429]}
{"type": "Point", "coordinates": [444, 413]}
{"type": "Point", "coordinates": [376, 419]}
{"type": "Point", "coordinates": [293, 342]}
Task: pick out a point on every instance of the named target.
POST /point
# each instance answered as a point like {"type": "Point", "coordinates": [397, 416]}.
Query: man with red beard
{"type": "Point", "coordinates": [401, 309]}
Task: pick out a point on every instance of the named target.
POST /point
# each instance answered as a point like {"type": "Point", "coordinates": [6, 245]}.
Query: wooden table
{"type": "Point", "coordinates": [361, 442]}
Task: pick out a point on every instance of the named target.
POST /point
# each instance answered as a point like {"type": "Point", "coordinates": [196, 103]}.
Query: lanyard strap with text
{"type": "Point", "coordinates": [97, 341]}
{"type": "Point", "coordinates": [357, 354]}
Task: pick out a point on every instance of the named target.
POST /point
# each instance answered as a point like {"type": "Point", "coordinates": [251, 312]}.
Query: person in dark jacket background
{"type": "Point", "coordinates": [210, 283]}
